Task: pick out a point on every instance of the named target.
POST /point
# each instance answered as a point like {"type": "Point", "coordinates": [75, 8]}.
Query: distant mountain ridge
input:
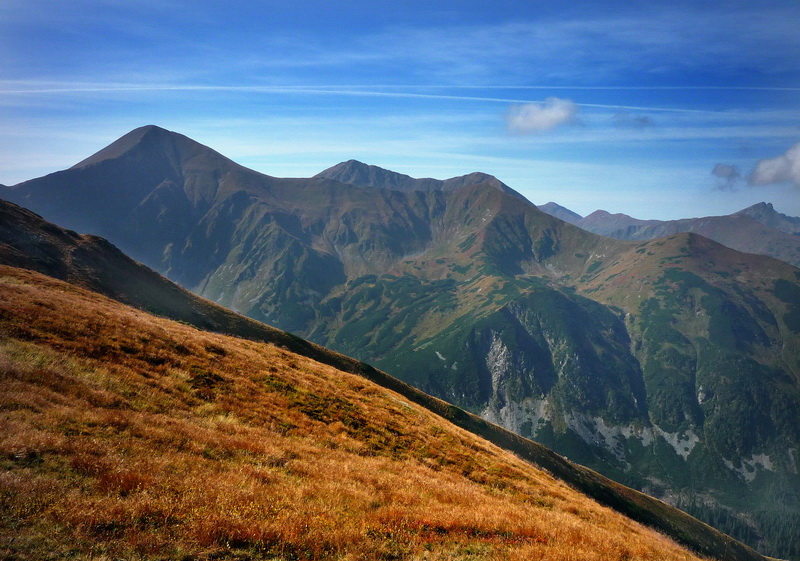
{"type": "Point", "coordinates": [671, 365]}
{"type": "Point", "coordinates": [358, 173]}
{"type": "Point", "coordinates": [606, 224]}
{"type": "Point", "coordinates": [756, 229]}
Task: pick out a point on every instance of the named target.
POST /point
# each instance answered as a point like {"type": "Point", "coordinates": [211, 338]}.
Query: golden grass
{"type": "Point", "coordinates": [125, 435]}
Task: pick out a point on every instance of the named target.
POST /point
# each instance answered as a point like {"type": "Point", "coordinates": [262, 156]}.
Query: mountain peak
{"type": "Point", "coordinates": [604, 213]}
{"type": "Point", "coordinates": [122, 145]}
{"type": "Point", "coordinates": [358, 173]}
{"type": "Point", "coordinates": [151, 139]}
{"type": "Point", "coordinates": [767, 215]}
{"type": "Point", "coordinates": [606, 224]}
{"type": "Point", "coordinates": [560, 212]}
{"type": "Point", "coordinates": [365, 175]}
{"type": "Point", "coordinates": [758, 209]}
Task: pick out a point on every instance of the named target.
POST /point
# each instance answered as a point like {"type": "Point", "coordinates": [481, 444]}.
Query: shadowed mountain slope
{"type": "Point", "coordinates": [671, 365]}
{"type": "Point", "coordinates": [129, 434]}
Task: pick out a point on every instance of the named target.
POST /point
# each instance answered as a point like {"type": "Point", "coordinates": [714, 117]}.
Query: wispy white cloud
{"type": "Point", "coordinates": [781, 169]}
{"type": "Point", "coordinates": [541, 117]}
{"type": "Point", "coordinates": [550, 106]}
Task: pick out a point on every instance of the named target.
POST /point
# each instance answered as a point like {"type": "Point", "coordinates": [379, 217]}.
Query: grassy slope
{"type": "Point", "coordinates": [128, 435]}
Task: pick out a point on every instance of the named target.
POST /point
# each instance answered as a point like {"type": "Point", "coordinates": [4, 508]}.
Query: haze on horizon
{"type": "Point", "coordinates": [669, 111]}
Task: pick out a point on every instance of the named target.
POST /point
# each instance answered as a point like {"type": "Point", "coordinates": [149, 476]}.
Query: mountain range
{"type": "Point", "coordinates": [756, 229]}
{"type": "Point", "coordinates": [670, 365]}
{"type": "Point", "coordinates": [128, 434]}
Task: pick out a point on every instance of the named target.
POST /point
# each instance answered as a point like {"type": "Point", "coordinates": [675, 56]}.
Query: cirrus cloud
{"type": "Point", "coordinates": [781, 169]}
{"type": "Point", "coordinates": [529, 118]}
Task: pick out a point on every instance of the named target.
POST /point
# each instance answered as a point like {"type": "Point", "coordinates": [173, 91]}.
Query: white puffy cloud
{"type": "Point", "coordinates": [785, 167]}
{"type": "Point", "coordinates": [530, 118]}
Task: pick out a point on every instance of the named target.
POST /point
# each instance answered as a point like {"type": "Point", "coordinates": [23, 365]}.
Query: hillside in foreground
{"type": "Point", "coordinates": [124, 434]}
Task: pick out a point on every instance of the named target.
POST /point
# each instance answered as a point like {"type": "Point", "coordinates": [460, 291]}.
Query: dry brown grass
{"type": "Point", "coordinates": [125, 435]}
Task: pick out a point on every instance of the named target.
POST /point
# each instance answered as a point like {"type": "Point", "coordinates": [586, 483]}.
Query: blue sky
{"type": "Point", "coordinates": [658, 110]}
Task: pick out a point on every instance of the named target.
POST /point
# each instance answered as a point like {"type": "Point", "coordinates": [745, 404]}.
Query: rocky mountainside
{"type": "Point", "coordinates": [671, 365]}
{"type": "Point", "coordinates": [151, 438]}
{"type": "Point", "coordinates": [756, 229]}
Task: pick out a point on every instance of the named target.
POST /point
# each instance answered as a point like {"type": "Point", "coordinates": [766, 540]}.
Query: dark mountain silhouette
{"type": "Point", "coordinates": [671, 365]}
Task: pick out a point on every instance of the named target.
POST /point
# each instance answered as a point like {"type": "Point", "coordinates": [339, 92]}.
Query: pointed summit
{"type": "Point", "coordinates": [151, 141]}
{"type": "Point", "coordinates": [149, 171]}
{"type": "Point", "coordinates": [120, 146]}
